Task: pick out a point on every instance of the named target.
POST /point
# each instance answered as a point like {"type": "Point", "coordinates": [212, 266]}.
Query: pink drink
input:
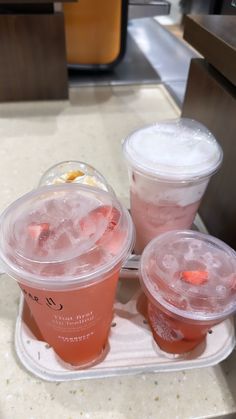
{"type": "Point", "coordinates": [170, 166]}
{"type": "Point", "coordinates": [65, 246]}
{"type": "Point", "coordinates": [189, 279]}
{"type": "Point", "coordinates": [153, 219]}
{"type": "Point", "coordinates": [72, 171]}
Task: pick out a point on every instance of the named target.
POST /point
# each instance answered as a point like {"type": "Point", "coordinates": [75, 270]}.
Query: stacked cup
{"type": "Point", "coordinates": [170, 165]}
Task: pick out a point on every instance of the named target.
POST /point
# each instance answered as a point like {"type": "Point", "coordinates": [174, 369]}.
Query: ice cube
{"type": "Point", "coordinates": [212, 261]}
{"type": "Point", "coordinates": [63, 241]}
{"type": "Point", "coordinates": [195, 265]}
{"type": "Point", "coordinates": [221, 291]}
{"type": "Point", "coordinates": [95, 222]}
{"type": "Point", "coordinates": [55, 208]}
{"type": "Point", "coordinates": [112, 243]}
{"type": "Point", "coordinates": [192, 250]}
{"type": "Point", "coordinates": [169, 262]}
{"type": "Point", "coordinates": [194, 290]}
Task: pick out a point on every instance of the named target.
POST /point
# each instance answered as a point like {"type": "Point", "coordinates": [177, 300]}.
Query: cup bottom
{"type": "Point", "coordinates": [81, 366]}
{"type": "Point", "coordinates": [169, 339]}
{"type": "Point", "coordinates": [177, 347]}
{"type": "Point", "coordinates": [172, 335]}
{"type": "Point", "coordinates": [28, 319]}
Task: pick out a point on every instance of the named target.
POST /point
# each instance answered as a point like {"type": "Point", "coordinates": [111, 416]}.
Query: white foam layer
{"type": "Point", "coordinates": [150, 190]}
{"type": "Point", "coordinates": [181, 148]}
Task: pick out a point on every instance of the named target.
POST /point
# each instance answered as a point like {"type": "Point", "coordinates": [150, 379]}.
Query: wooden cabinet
{"type": "Point", "coordinates": [211, 99]}
{"type": "Point", "coordinates": [32, 52]}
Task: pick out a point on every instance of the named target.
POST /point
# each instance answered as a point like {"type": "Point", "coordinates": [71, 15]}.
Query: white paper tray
{"type": "Point", "coordinates": [132, 349]}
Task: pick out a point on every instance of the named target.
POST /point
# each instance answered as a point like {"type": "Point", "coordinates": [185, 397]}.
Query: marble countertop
{"type": "Point", "coordinates": [90, 127]}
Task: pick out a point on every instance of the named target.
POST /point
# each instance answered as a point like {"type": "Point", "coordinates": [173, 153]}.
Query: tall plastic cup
{"type": "Point", "coordinates": [65, 246]}
{"type": "Point", "coordinates": [189, 279]}
{"type": "Point", "coordinates": [65, 172]}
{"type": "Point", "coordinates": [170, 164]}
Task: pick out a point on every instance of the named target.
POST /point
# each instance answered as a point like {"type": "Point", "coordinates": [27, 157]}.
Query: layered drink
{"type": "Point", "coordinates": [170, 164]}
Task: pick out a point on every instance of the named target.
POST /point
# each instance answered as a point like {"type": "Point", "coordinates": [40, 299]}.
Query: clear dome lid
{"type": "Point", "coordinates": [174, 150]}
{"type": "Point", "coordinates": [64, 234]}
{"type": "Point", "coordinates": [74, 171]}
{"type": "Point", "coordinates": [190, 274]}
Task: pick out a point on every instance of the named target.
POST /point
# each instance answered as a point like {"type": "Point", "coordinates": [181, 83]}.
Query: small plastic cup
{"type": "Point", "coordinates": [189, 279]}
{"type": "Point", "coordinates": [73, 171]}
{"type": "Point", "coordinates": [65, 245]}
{"type": "Point", "coordinates": [170, 164]}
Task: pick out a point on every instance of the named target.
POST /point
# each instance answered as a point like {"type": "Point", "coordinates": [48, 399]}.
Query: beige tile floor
{"type": "Point", "coordinates": [33, 137]}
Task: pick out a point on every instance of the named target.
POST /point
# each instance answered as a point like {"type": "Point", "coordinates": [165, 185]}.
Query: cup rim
{"type": "Point", "coordinates": [76, 162]}
{"type": "Point", "coordinates": [23, 276]}
{"type": "Point", "coordinates": [193, 316]}
{"type": "Point", "coordinates": [173, 177]}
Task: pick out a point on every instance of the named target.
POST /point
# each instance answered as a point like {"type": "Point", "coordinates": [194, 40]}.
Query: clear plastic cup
{"type": "Point", "coordinates": [66, 172]}
{"type": "Point", "coordinates": [65, 245]}
{"type": "Point", "coordinates": [189, 279]}
{"type": "Point", "coordinates": [170, 164]}
{"type": "Point", "coordinates": [74, 171]}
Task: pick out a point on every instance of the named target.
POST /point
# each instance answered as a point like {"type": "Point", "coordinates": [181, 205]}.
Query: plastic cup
{"type": "Point", "coordinates": [170, 164]}
{"type": "Point", "coordinates": [74, 171]}
{"type": "Point", "coordinates": [65, 245]}
{"type": "Point", "coordinates": [189, 279]}
{"type": "Point", "coordinates": [65, 172]}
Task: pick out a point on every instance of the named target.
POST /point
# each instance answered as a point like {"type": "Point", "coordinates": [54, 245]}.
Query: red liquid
{"type": "Point", "coordinates": [71, 233]}
{"type": "Point", "coordinates": [171, 335]}
{"type": "Point", "coordinates": [75, 323]}
{"type": "Point", "coordinates": [28, 319]}
{"type": "Point", "coordinates": [188, 278]}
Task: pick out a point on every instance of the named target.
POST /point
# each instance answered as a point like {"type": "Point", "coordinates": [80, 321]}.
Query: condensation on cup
{"type": "Point", "coordinates": [170, 164]}
{"type": "Point", "coordinates": [189, 279]}
{"type": "Point", "coordinates": [65, 246]}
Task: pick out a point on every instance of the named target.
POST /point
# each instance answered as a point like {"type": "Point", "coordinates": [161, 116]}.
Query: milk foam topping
{"type": "Point", "coordinates": [176, 150]}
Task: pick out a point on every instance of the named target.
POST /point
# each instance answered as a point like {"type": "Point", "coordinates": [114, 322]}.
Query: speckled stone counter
{"type": "Point", "coordinates": [34, 136]}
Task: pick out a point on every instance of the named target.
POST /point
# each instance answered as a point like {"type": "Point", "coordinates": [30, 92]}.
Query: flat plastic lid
{"type": "Point", "coordinates": [191, 274]}
{"type": "Point", "coordinates": [64, 235]}
{"type": "Point", "coordinates": [176, 150]}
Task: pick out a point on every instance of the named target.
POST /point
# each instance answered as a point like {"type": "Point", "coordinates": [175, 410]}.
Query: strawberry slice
{"type": "Point", "coordinates": [195, 277]}
{"type": "Point", "coordinates": [113, 216]}
{"type": "Point", "coordinates": [39, 231]}
{"type": "Point", "coordinates": [112, 239]}
{"type": "Point", "coordinates": [90, 223]}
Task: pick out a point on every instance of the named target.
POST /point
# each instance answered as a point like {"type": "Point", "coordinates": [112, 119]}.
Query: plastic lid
{"type": "Point", "coordinates": [176, 150]}
{"type": "Point", "coordinates": [191, 274]}
{"type": "Point", "coordinates": [63, 235]}
{"type": "Point", "coordinates": [74, 171]}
